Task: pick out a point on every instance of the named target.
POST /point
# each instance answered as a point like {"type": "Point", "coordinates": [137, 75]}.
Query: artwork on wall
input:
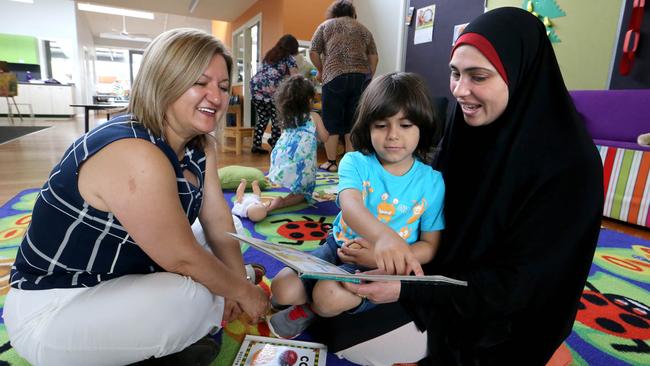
{"type": "Point", "coordinates": [424, 24]}
{"type": "Point", "coordinates": [458, 29]}
{"type": "Point", "coordinates": [409, 15]}
{"type": "Point", "coordinates": [545, 10]}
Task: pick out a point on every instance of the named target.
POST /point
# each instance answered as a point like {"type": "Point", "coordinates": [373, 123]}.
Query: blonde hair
{"type": "Point", "coordinates": [172, 63]}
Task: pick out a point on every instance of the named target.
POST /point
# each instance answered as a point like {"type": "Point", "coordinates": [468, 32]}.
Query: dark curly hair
{"type": "Point", "coordinates": [287, 45]}
{"type": "Point", "coordinates": [293, 99]}
{"type": "Point", "coordinates": [341, 8]}
{"type": "Point", "coordinates": [386, 96]}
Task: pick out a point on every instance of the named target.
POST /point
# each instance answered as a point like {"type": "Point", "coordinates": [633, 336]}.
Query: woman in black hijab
{"type": "Point", "coordinates": [523, 210]}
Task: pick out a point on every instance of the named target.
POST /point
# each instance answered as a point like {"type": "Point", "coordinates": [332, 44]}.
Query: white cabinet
{"type": "Point", "coordinates": [41, 98]}
{"type": "Point", "coordinates": [50, 100]}
{"type": "Point", "coordinates": [62, 97]}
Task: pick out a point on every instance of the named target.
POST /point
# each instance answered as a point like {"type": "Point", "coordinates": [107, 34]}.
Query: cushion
{"type": "Point", "coordinates": [231, 175]}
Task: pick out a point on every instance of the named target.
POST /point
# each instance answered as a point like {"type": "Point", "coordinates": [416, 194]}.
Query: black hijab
{"type": "Point", "coordinates": [523, 206]}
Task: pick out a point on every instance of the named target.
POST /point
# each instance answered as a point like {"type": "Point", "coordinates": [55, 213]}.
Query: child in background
{"type": "Point", "coordinates": [293, 159]}
{"type": "Point", "coordinates": [390, 216]}
{"type": "Point", "coordinates": [249, 204]}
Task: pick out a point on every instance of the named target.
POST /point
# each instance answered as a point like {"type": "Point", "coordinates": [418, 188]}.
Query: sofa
{"type": "Point", "coordinates": [615, 119]}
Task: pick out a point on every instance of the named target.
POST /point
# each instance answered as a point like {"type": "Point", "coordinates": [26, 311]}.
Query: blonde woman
{"type": "Point", "coordinates": [110, 271]}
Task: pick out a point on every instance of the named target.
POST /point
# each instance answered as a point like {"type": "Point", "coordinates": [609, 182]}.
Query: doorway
{"type": "Point", "coordinates": [247, 46]}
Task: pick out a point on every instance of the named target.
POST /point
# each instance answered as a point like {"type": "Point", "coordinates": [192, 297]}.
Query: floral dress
{"type": "Point", "coordinates": [267, 79]}
{"type": "Point", "coordinates": [293, 160]}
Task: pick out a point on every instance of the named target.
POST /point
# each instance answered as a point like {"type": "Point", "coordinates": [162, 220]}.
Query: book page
{"type": "Point", "coordinates": [264, 351]}
{"type": "Point", "coordinates": [313, 267]}
{"type": "Point", "coordinates": [300, 261]}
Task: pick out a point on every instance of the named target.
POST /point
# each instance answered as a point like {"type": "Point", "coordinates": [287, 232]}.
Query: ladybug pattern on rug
{"type": "Point", "coordinates": [306, 232]}
{"type": "Point", "coordinates": [616, 324]}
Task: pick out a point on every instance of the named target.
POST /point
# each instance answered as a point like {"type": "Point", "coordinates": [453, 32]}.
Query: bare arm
{"type": "Point", "coordinates": [373, 60]}
{"type": "Point", "coordinates": [321, 131]}
{"type": "Point", "coordinates": [361, 251]}
{"type": "Point", "coordinates": [215, 215]}
{"type": "Point", "coordinates": [315, 60]}
{"type": "Point", "coordinates": [425, 248]}
{"type": "Point", "coordinates": [133, 179]}
{"type": "Point", "coordinates": [392, 253]}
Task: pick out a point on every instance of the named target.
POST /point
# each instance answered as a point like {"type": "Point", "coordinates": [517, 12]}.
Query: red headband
{"type": "Point", "coordinates": [485, 47]}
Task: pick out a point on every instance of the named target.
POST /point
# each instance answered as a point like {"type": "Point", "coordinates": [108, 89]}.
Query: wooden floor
{"type": "Point", "coordinates": [27, 161]}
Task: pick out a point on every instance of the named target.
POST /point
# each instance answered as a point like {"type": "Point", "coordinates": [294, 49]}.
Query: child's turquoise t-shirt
{"type": "Point", "coordinates": [409, 204]}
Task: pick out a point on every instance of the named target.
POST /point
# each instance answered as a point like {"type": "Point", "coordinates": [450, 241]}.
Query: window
{"type": "Point", "coordinates": [58, 56]}
{"type": "Point", "coordinates": [238, 50]}
{"type": "Point", "coordinates": [135, 59]}
{"type": "Point", "coordinates": [113, 71]}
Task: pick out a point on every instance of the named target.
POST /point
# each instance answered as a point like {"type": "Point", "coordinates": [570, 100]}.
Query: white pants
{"type": "Point", "coordinates": [405, 344]}
{"type": "Point", "coordinates": [117, 322]}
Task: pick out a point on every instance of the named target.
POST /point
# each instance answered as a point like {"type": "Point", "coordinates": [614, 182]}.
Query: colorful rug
{"type": "Point", "coordinates": [612, 326]}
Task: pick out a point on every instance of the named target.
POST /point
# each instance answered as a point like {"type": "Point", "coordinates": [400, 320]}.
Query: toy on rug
{"type": "Point", "coordinates": [250, 205]}
{"type": "Point", "coordinates": [643, 139]}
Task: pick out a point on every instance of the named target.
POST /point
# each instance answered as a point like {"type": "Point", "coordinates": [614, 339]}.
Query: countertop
{"type": "Point", "coordinates": [42, 83]}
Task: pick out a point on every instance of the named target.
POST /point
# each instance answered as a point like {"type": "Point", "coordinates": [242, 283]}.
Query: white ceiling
{"type": "Point", "coordinates": [168, 14]}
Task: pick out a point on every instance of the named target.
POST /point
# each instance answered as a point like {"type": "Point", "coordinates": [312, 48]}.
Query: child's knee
{"type": "Point", "coordinates": [286, 287]}
{"type": "Point", "coordinates": [329, 298]}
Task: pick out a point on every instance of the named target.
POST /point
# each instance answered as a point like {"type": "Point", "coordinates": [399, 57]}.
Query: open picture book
{"type": "Point", "coordinates": [308, 266]}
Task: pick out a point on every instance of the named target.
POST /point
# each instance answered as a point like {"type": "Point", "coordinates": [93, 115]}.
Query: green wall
{"type": "Point", "coordinates": [588, 34]}
{"type": "Point", "coordinates": [19, 49]}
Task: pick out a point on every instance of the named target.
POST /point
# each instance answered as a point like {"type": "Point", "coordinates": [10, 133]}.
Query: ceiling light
{"type": "Point", "coordinates": [124, 38]}
{"type": "Point", "coordinates": [24, 1]}
{"type": "Point", "coordinates": [116, 11]}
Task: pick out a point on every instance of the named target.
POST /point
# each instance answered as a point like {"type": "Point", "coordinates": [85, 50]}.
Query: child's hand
{"type": "Point", "coordinates": [394, 256]}
{"type": "Point", "coordinates": [358, 251]}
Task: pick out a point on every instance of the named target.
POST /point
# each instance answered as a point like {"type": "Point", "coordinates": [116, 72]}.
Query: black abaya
{"type": "Point", "coordinates": [523, 209]}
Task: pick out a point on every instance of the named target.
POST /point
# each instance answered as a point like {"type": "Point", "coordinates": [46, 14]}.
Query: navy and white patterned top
{"type": "Point", "coordinates": [71, 244]}
{"type": "Point", "coordinates": [266, 81]}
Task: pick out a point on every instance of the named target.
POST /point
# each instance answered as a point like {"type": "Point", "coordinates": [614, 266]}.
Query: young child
{"type": "Point", "coordinates": [249, 204]}
{"type": "Point", "coordinates": [390, 216]}
{"type": "Point", "coordinates": [293, 159]}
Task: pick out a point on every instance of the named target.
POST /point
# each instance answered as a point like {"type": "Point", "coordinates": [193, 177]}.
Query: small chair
{"type": "Point", "coordinates": [9, 89]}
{"type": "Point", "coordinates": [236, 131]}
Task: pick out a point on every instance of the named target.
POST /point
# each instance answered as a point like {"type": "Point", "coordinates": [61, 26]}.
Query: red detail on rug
{"type": "Point", "coordinates": [303, 230]}
{"type": "Point", "coordinates": [25, 220]}
{"type": "Point", "coordinates": [631, 264]}
{"type": "Point", "coordinates": [263, 329]}
{"type": "Point", "coordinates": [645, 250]}
{"type": "Point", "coordinates": [601, 312]}
{"type": "Point", "coordinates": [9, 234]}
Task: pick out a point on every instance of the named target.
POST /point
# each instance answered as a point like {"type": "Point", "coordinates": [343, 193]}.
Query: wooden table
{"type": "Point", "coordinates": [97, 107]}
